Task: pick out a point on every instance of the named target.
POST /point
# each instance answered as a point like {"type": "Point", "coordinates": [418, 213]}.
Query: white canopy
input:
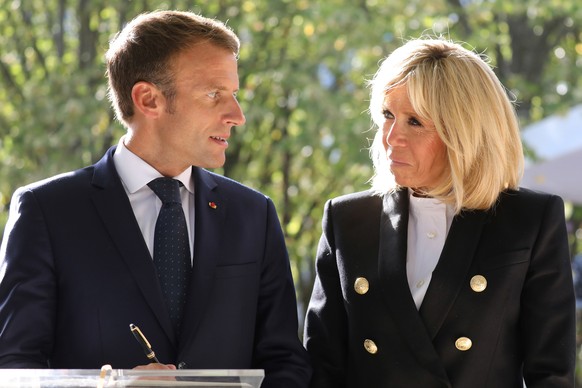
{"type": "Point", "coordinates": [557, 141]}
{"type": "Point", "coordinates": [561, 175]}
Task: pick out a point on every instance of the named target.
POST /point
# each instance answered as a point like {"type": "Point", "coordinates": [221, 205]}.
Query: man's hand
{"type": "Point", "coordinates": [156, 366]}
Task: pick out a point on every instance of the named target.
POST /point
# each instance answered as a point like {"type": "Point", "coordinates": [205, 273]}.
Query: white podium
{"type": "Point", "coordinates": [107, 378]}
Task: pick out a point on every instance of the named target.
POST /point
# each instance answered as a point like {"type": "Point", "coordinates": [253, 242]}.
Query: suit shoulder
{"type": "Point", "coordinates": [61, 182]}
{"type": "Point", "coordinates": [354, 209]}
{"type": "Point", "coordinates": [231, 186]}
{"type": "Point", "coordinates": [526, 207]}
{"type": "Point", "coordinates": [527, 197]}
{"type": "Point", "coordinates": [362, 198]}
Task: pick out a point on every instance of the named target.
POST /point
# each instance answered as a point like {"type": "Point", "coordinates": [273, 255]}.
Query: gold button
{"type": "Point", "coordinates": [361, 286]}
{"type": "Point", "coordinates": [463, 344]}
{"type": "Point", "coordinates": [478, 283]}
{"type": "Point", "coordinates": [370, 346]}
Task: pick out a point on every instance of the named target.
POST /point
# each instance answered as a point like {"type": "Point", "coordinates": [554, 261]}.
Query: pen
{"type": "Point", "coordinates": [147, 348]}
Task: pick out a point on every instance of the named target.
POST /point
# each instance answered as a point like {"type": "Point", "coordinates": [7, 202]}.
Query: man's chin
{"type": "Point", "coordinates": [213, 164]}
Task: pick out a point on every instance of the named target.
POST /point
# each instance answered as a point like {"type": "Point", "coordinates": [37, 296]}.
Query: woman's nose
{"type": "Point", "coordinates": [394, 134]}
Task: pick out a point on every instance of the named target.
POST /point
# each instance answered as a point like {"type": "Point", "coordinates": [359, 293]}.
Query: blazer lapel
{"type": "Point", "coordinates": [210, 216]}
{"type": "Point", "coordinates": [392, 268]}
{"type": "Point", "coordinates": [452, 268]}
{"type": "Point", "coordinates": [115, 210]}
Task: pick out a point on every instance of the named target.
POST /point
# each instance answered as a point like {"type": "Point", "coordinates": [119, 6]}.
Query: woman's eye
{"type": "Point", "coordinates": [414, 122]}
{"type": "Point", "coordinates": [387, 114]}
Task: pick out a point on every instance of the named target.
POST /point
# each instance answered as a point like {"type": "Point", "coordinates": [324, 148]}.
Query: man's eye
{"type": "Point", "coordinates": [213, 95]}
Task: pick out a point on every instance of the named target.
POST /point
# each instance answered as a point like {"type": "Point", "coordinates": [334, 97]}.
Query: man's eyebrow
{"type": "Point", "coordinates": [216, 87]}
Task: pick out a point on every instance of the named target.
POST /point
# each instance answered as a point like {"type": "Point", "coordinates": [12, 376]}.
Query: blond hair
{"type": "Point", "coordinates": [456, 89]}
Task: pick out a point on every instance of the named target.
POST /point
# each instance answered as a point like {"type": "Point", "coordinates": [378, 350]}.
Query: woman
{"type": "Point", "coordinates": [445, 273]}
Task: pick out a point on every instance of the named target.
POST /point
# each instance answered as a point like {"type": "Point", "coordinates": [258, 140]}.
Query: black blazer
{"type": "Point", "coordinates": [522, 325]}
{"type": "Point", "coordinates": [76, 272]}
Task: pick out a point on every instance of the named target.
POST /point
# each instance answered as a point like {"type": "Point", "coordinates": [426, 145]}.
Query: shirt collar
{"type": "Point", "coordinates": [420, 206]}
{"type": "Point", "coordinates": [136, 173]}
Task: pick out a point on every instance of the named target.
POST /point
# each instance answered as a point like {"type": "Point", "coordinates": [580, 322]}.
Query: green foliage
{"type": "Point", "coordinates": [303, 69]}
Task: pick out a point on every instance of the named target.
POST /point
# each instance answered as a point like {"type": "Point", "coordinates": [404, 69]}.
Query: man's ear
{"type": "Point", "coordinates": [147, 99]}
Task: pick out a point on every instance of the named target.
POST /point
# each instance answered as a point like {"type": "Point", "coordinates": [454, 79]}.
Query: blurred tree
{"type": "Point", "coordinates": [303, 68]}
{"type": "Point", "coordinates": [535, 46]}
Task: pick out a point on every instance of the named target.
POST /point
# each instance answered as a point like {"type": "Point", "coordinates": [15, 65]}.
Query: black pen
{"type": "Point", "coordinates": [147, 348]}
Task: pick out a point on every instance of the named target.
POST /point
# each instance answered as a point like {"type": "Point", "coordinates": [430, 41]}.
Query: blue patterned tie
{"type": "Point", "coordinates": [172, 247]}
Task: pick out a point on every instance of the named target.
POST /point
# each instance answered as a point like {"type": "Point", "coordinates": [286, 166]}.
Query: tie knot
{"type": "Point", "coordinates": [167, 189]}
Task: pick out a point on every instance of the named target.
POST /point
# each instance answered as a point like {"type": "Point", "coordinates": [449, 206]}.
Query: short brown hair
{"type": "Point", "coordinates": [143, 49]}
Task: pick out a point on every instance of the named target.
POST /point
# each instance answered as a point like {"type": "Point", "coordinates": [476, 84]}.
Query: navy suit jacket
{"type": "Point", "coordinates": [75, 272]}
{"type": "Point", "coordinates": [522, 325]}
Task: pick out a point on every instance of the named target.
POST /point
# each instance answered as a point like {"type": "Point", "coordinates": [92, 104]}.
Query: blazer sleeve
{"type": "Point", "coordinates": [548, 320]}
{"type": "Point", "coordinates": [326, 321]}
{"type": "Point", "coordinates": [278, 349]}
{"type": "Point", "coordinates": [27, 286]}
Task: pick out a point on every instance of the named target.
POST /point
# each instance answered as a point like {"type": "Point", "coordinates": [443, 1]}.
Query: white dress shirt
{"type": "Point", "coordinates": [429, 222]}
{"type": "Point", "coordinates": [135, 174]}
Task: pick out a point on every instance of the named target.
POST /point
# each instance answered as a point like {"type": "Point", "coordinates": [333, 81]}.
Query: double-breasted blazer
{"type": "Point", "coordinates": [499, 307]}
{"type": "Point", "coordinates": [76, 272]}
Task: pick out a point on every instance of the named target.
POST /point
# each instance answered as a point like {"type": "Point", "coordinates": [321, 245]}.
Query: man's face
{"type": "Point", "coordinates": [195, 126]}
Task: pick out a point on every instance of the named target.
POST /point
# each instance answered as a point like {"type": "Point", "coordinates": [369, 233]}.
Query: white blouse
{"type": "Point", "coordinates": [429, 222]}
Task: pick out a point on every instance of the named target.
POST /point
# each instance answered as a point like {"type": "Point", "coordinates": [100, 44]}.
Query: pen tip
{"type": "Point", "coordinates": [131, 326]}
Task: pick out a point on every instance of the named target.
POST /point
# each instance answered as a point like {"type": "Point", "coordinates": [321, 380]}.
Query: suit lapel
{"type": "Point", "coordinates": [210, 216]}
{"type": "Point", "coordinates": [452, 268]}
{"type": "Point", "coordinates": [392, 268]}
{"type": "Point", "coordinates": [115, 210]}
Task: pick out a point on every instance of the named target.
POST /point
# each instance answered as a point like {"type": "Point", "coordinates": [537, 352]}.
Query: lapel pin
{"type": "Point", "coordinates": [212, 205]}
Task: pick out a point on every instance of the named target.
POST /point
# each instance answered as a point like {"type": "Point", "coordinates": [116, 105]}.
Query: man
{"type": "Point", "coordinates": [81, 255]}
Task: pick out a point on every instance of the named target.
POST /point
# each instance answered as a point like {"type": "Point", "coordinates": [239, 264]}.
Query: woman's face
{"type": "Point", "coordinates": [416, 155]}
